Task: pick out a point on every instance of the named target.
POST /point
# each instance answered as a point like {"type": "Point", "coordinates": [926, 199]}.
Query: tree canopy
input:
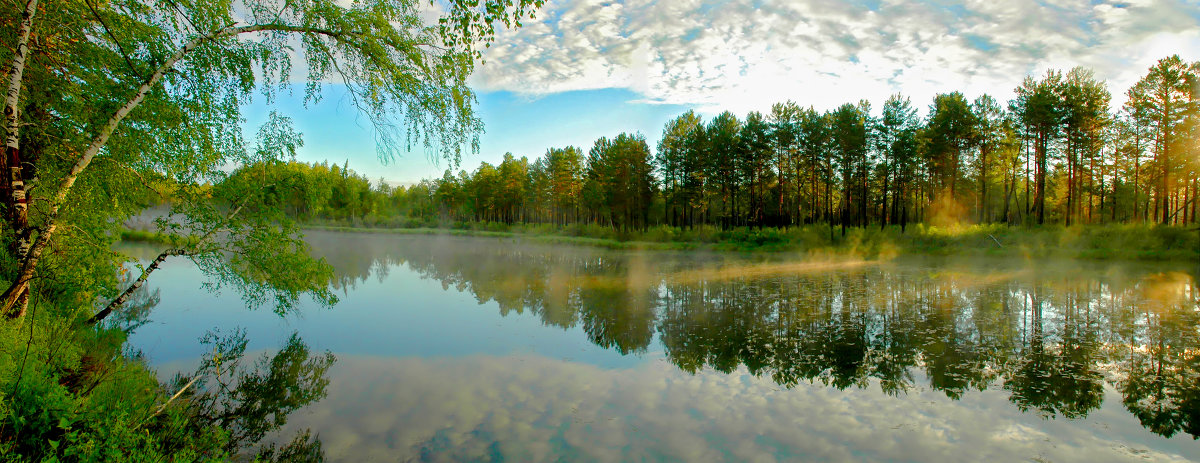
{"type": "Point", "coordinates": [113, 107]}
{"type": "Point", "coordinates": [1056, 153]}
{"type": "Point", "coordinates": [116, 105]}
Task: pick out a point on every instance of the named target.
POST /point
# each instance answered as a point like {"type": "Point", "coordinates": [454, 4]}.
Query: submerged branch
{"type": "Point", "coordinates": [173, 397]}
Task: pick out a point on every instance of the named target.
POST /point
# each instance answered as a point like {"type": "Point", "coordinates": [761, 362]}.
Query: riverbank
{"type": "Point", "coordinates": [1123, 242]}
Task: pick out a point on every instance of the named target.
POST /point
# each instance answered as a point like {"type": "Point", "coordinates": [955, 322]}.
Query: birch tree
{"type": "Point", "coordinates": [107, 100]}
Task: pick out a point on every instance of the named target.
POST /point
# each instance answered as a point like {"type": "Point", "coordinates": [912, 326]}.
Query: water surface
{"type": "Point", "coordinates": [454, 349]}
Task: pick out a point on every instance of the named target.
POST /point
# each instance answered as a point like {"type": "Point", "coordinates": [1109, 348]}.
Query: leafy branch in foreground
{"type": "Point", "coordinates": [115, 92]}
{"type": "Point", "coordinates": [230, 236]}
{"type": "Point", "coordinates": [114, 106]}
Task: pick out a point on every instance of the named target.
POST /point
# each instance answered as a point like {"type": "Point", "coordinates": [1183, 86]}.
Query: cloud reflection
{"type": "Point", "coordinates": [533, 408]}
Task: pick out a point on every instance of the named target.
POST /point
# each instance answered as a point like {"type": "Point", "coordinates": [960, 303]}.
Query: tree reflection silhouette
{"type": "Point", "coordinates": [1160, 380]}
{"type": "Point", "coordinates": [1061, 379]}
{"type": "Point", "coordinates": [1049, 336]}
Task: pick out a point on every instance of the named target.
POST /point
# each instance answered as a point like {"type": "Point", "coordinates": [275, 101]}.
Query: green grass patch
{"type": "Point", "coordinates": [1123, 242]}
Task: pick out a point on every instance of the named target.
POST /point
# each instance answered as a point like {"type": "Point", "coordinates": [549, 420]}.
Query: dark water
{"type": "Point", "coordinates": [454, 349]}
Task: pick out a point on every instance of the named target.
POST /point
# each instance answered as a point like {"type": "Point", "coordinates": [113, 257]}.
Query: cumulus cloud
{"type": "Point", "coordinates": [534, 408]}
{"type": "Point", "coordinates": [747, 54]}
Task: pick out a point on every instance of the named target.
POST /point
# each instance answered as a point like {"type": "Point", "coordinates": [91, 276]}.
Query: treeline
{"type": "Point", "coordinates": [311, 191]}
{"type": "Point", "coordinates": [1056, 153]}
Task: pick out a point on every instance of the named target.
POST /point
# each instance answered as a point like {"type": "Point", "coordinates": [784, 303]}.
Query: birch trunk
{"type": "Point", "coordinates": [29, 260]}
{"type": "Point", "coordinates": [120, 300]}
{"type": "Point", "coordinates": [18, 208]}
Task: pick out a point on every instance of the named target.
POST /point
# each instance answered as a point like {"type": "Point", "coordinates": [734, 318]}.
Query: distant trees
{"type": "Point", "coordinates": [309, 191]}
{"type": "Point", "coordinates": [897, 142]}
{"type": "Point", "coordinates": [1038, 110]}
{"type": "Point", "coordinates": [988, 136]}
{"type": "Point", "coordinates": [849, 135]}
{"type": "Point", "coordinates": [1165, 102]}
{"type": "Point", "coordinates": [815, 139]}
{"type": "Point", "coordinates": [676, 163]}
{"type": "Point", "coordinates": [754, 162]}
{"type": "Point", "coordinates": [785, 139]}
{"type": "Point", "coordinates": [1055, 153]}
{"type": "Point", "coordinates": [1085, 121]}
{"type": "Point", "coordinates": [563, 169]}
{"type": "Point", "coordinates": [620, 182]}
{"type": "Point", "coordinates": [719, 152]}
{"type": "Point", "coordinates": [951, 131]}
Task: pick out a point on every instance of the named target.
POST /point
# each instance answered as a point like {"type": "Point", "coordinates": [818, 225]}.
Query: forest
{"type": "Point", "coordinates": [1057, 153]}
{"type": "Point", "coordinates": [115, 107]}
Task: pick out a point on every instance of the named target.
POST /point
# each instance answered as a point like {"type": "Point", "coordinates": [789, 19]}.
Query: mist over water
{"type": "Point", "coordinates": [455, 349]}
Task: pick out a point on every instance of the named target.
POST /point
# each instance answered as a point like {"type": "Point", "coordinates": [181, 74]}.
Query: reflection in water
{"type": "Point", "coordinates": [245, 401]}
{"type": "Point", "coordinates": [1051, 336]}
{"type": "Point", "coordinates": [534, 408]}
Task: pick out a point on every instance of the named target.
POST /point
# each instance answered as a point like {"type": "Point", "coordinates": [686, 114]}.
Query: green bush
{"type": "Point", "coordinates": [70, 393]}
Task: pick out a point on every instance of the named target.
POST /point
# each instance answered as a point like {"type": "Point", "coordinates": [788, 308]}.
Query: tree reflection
{"type": "Point", "coordinates": [248, 402]}
{"type": "Point", "coordinates": [1060, 378]}
{"type": "Point", "coordinates": [1051, 337]}
{"type": "Point", "coordinates": [1160, 374]}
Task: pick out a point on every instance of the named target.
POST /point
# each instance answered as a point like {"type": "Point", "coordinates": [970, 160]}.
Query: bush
{"type": "Point", "coordinates": [69, 393]}
{"type": "Point", "coordinates": [660, 234]}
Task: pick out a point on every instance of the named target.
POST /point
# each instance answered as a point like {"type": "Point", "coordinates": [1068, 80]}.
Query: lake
{"type": "Point", "coordinates": [492, 349]}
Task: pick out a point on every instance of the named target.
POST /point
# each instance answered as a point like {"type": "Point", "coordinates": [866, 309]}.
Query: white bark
{"type": "Point", "coordinates": [30, 259]}
{"type": "Point", "coordinates": [12, 145]}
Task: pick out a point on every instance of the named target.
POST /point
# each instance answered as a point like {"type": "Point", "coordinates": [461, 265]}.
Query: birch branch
{"type": "Point", "coordinates": [33, 255]}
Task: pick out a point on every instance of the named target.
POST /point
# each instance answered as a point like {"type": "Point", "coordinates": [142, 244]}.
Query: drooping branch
{"type": "Point", "coordinates": [112, 36]}
{"type": "Point", "coordinates": [133, 287]}
{"type": "Point", "coordinates": [173, 397]}
{"type": "Point", "coordinates": [154, 265]}
{"type": "Point", "coordinates": [29, 258]}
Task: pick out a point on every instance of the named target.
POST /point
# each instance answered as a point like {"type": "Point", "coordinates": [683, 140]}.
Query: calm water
{"type": "Point", "coordinates": [454, 349]}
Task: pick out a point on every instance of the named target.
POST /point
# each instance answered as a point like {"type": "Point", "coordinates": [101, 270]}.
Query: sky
{"type": "Point", "coordinates": [590, 68]}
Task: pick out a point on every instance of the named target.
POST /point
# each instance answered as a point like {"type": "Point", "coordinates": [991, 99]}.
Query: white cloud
{"type": "Point", "coordinates": [745, 55]}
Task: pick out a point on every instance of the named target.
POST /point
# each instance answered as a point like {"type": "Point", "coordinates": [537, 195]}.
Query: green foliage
{"type": "Point", "coordinates": [129, 104]}
{"type": "Point", "coordinates": [1054, 154]}
{"type": "Point", "coordinates": [950, 131]}
{"type": "Point", "coordinates": [74, 395]}
{"type": "Point", "coordinates": [132, 103]}
{"type": "Point", "coordinates": [619, 187]}
{"type": "Point", "coordinates": [1046, 156]}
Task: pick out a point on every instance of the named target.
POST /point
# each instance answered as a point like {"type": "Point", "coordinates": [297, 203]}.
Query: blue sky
{"type": "Point", "coordinates": [590, 68]}
{"type": "Point", "coordinates": [524, 125]}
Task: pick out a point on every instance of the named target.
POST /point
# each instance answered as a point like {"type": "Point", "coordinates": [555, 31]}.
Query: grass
{"type": "Point", "coordinates": [528, 235]}
{"type": "Point", "coordinates": [1124, 242]}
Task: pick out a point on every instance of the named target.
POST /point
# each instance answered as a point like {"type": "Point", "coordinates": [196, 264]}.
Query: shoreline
{"type": "Point", "coordinates": [1100, 243]}
{"type": "Point", "coordinates": [1088, 242]}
